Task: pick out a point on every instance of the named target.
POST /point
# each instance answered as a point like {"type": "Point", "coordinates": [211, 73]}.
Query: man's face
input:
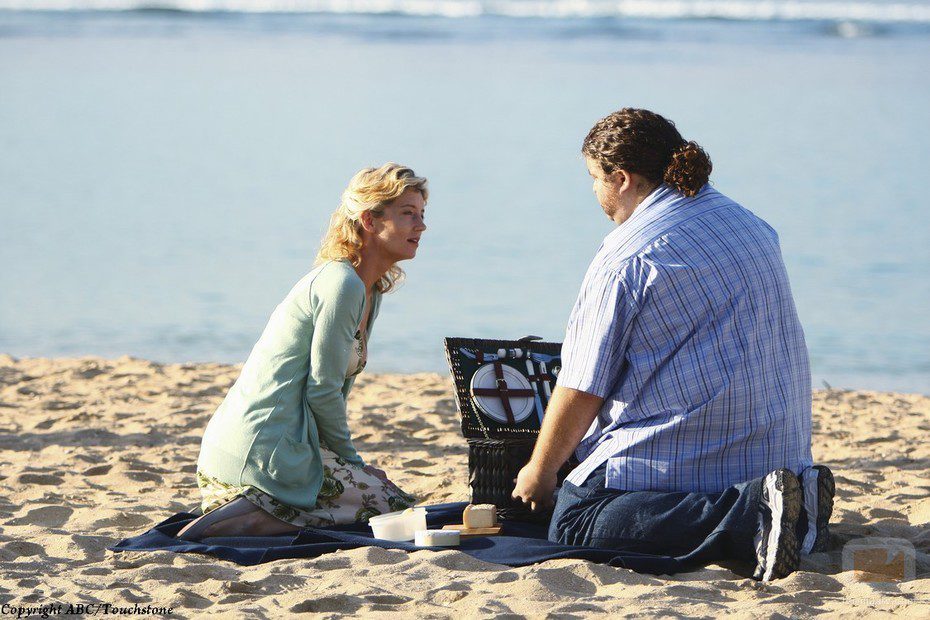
{"type": "Point", "coordinates": [614, 192]}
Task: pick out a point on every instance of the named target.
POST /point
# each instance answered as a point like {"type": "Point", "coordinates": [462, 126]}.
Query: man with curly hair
{"type": "Point", "coordinates": [685, 385]}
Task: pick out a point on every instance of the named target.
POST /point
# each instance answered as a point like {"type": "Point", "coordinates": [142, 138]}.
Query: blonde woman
{"type": "Point", "coordinates": [277, 455]}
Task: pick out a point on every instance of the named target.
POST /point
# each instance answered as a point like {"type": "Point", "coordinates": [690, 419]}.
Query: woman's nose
{"type": "Point", "coordinates": [420, 225]}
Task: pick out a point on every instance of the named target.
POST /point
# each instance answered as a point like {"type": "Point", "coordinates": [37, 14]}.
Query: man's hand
{"type": "Point", "coordinates": [535, 487]}
{"type": "Point", "coordinates": [568, 416]}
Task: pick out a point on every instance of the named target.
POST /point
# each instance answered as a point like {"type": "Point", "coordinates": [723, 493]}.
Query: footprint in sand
{"type": "Point", "coordinates": [698, 593]}
{"type": "Point", "coordinates": [381, 600]}
{"type": "Point", "coordinates": [417, 463]}
{"type": "Point", "coordinates": [44, 479]}
{"type": "Point", "coordinates": [88, 373]}
{"type": "Point", "coordinates": [504, 577]}
{"type": "Point", "coordinates": [494, 609]}
{"type": "Point", "coordinates": [60, 405]}
{"type": "Point", "coordinates": [458, 561]}
{"type": "Point", "coordinates": [804, 584]}
{"type": "Point", "coordinates": [883, 513]}
{"type": "Point", "coordinates": [131, 597]}
{"type": "Point", "coordinates": [559, 580]}
{"type": "Point", "coordinates": [277, 583]}
{"type": "Point", "coordinates": [93, 546]}
{"type": "Point", "coordinates": [143, 476]}
{"type": "Point", "coordinates": [336, 603]}
{"type": "Point", "coordinates": [20, 548]}
{"type": "Point", "coordinates": [48, 516]}
{"type": "Point", "coordinates": [122, 521]}
{"type": "Point", "coordinates": [185, 599]}
{"type": "Point", "coordinates": [332, 562]}
{"type": "Point", "coordinates": [235, 599]}
{"type": "Point", "coordinates": [97, 470]}
{"type": "Point", "coordinates": [571, 610]}
{"type": "Point", "coordinates": [416, 424]}
{"type": "Point", "coordinates": [377, 556]}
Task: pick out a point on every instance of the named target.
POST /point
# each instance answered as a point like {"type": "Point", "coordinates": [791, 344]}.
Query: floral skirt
{"type": "Point", "coordinates": [349, 494]}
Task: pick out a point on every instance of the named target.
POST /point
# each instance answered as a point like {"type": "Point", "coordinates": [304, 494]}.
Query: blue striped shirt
{"type": "Point", "coordinates": [686, 326]}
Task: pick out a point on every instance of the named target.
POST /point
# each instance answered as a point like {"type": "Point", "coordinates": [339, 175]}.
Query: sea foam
{"type": "Point", "coordinates": [747, 10]}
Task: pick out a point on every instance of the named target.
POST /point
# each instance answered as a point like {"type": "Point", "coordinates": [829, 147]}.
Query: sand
{"type": "Point", "coordinates": [95, 450]}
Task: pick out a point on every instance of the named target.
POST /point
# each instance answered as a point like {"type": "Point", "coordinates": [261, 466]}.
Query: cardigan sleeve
{"type": "Point", "coordinates": [337, 300]}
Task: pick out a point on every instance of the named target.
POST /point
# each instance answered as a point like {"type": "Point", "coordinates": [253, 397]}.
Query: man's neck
{"type": "Point", "coordinates": [644, 191]}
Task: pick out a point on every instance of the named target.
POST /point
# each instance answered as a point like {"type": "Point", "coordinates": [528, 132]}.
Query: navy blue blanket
{"type": "Point", "coordinates": [519, 544]}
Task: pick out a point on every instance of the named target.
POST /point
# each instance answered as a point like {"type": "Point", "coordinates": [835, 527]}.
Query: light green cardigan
{"type": "Point", "coordinates": [292, 392]}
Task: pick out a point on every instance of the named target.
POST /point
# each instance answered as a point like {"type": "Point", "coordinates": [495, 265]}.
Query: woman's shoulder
{"type": "Point", "coordinates": [337, 278]}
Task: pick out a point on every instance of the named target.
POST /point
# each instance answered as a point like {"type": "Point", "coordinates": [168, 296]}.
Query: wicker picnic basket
{"type": "Point", "coordinates": [502, 388]}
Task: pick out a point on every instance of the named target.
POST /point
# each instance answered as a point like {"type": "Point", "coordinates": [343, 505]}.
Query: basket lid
{"type": "Point", "coordinates": [502, 387]}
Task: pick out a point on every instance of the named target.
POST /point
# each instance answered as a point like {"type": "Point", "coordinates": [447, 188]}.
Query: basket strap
{"type": "Point", "coordinates": [540, 379]}
{"type": "Point", "coordinates": [503, 392]}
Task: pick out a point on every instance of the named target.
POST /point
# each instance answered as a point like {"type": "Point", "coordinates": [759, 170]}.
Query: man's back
{"type": "Point", "coordinates": [685, 361]}
{"type": "Point", "coordinates": [686, 326]}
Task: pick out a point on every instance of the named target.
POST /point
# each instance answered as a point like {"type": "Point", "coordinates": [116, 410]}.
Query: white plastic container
{"type": "Point", "coordinates": [398, 526]}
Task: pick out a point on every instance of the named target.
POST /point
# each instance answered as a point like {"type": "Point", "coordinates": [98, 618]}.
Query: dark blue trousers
{"type": "Point", "coordinates": [682, 530]}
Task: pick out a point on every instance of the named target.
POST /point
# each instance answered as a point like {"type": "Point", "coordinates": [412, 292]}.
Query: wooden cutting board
{"type": "Point", "coordinates": [465, 532]}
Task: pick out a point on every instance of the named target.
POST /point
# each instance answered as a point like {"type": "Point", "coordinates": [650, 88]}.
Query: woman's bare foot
{"type": "Point", "coordinates": [254, 523]}
{"type": "Point", "coordinates": [238, 517]}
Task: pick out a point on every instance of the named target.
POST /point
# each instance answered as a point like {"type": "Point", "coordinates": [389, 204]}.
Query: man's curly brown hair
{"type": "Point", "coordinates": [648, 144]}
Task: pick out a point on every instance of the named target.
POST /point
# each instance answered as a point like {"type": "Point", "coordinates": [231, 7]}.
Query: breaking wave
{"type": "Point", "coordinates": [745, 10]}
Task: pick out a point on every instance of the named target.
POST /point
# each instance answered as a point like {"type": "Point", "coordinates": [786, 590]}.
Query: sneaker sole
{"type": "Point", "coordinates": [819, 490]}
{"type": "Point", "coordinates": [782, 494]}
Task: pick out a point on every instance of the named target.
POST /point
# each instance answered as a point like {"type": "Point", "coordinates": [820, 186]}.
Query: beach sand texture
{"type": "Point", "coordinates": [95, 450]}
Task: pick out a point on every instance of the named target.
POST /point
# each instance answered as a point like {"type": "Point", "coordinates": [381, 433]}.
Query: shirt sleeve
{"type": "Point", "coordinates": [598, 333]}
{"type": "Point", "coordinates": [337, 304]}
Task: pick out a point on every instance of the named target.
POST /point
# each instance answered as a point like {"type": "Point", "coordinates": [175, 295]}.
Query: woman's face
{"type": "Point", "coordinates": [397, 232]}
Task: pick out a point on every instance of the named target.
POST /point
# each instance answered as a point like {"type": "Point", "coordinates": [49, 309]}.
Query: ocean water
{"type": "Point", "coordinates": [166, 172]}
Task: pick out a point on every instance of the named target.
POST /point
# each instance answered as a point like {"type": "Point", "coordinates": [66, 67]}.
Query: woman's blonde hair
{"type": "Point", "coordinates": [371, 189]}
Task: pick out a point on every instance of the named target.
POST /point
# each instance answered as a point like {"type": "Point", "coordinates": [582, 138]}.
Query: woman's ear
{"type": "Point", "coordinates": [366, 220]}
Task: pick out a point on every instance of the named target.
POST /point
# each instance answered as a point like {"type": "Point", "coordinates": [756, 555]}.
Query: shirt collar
{"type": "Point", "coordinates": [652, 206]}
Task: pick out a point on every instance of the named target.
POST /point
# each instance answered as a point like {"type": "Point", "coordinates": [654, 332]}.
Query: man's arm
{"type": "Point", "coordinates": [568, 417]}
{"type": "Point", "coordinates": [593, 356]}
